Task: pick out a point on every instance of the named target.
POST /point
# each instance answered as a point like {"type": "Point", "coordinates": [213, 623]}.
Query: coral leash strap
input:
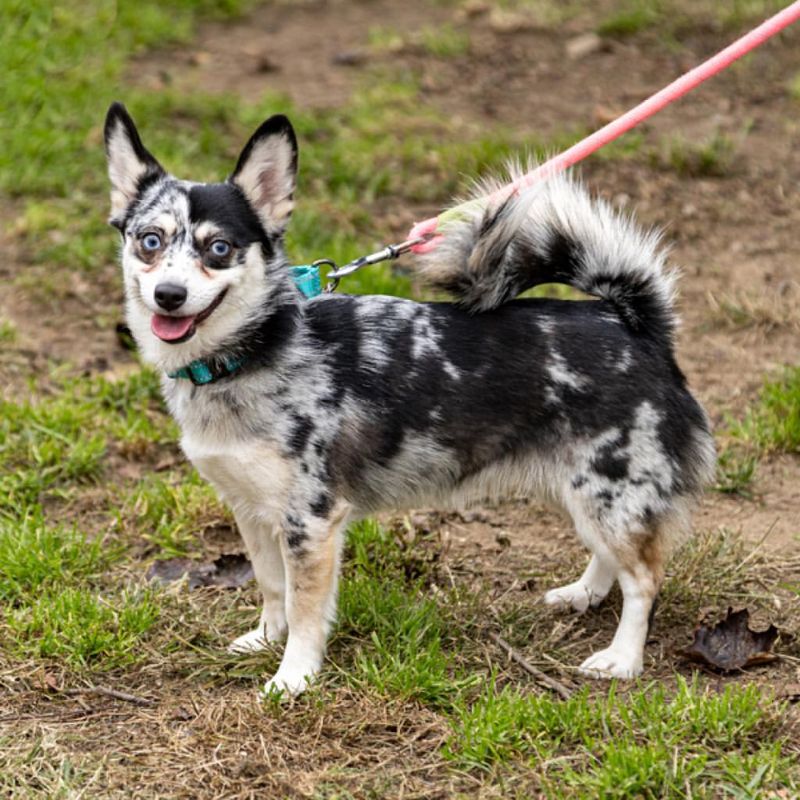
{"type": "Point", "coordinates": [424, 236]}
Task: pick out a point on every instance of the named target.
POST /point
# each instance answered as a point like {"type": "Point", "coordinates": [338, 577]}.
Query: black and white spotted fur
{"type": "Point", "coordinates": [348, 405]}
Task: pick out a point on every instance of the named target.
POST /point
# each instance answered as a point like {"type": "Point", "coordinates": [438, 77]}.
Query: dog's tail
{"type": "Point", "coordinates": [554, 233]}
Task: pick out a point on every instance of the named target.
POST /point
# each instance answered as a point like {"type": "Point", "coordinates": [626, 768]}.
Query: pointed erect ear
{"type": "Point", "coordinates": [267, 171]}
{"type": "Point", "coordinates": [128, 161]}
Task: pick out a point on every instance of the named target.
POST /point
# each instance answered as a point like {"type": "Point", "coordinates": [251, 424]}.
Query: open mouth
{"type": "Point", "coordinates": [175, 330]}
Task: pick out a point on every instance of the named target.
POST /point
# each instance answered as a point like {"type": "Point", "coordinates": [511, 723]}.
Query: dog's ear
{"type": "Point", "coordinates": [267, 171]}
{"type": "Point", "coordinates": [128, 161]}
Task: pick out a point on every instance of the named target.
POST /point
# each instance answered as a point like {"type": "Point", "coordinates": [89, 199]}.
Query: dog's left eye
{"type": "Point", "coordinates": [151, 241]}
{"type": "Point", "coordinates": [220, 248]}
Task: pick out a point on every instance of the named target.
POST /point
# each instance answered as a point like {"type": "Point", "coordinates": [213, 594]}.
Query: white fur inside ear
{"type": "Point", "coordinates": [125, 169]}
{"type": "Point", "coordinates": [268, 179]}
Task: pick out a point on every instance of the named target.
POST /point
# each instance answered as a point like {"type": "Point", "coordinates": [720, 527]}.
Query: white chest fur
{"type": "Point", "coordinates": [250, 474]}
{"type": "Point", "coordinates": [252, 477]}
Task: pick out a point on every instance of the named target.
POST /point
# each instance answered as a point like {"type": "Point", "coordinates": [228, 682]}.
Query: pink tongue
{"type": "Point", "coordinates": [170, 328]}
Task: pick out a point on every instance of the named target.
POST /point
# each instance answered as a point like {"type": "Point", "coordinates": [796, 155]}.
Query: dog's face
{"type": "Point", "coordinates": [200, 261]}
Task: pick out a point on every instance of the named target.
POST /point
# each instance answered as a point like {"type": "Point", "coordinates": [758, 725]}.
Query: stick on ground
{"type": "Point", "coordinates": [108, 692]}
{"type": "Point", "coordinates": [541, 677]}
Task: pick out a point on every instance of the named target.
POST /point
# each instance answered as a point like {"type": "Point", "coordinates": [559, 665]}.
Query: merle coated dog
{"type": "Point", "coordinates": [307, 414]}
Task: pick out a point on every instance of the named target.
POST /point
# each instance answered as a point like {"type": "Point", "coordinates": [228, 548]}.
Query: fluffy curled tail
{"type": "Point", "coordinates": [554, 232]}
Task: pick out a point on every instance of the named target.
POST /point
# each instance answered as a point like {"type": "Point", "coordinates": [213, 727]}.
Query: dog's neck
{"type": "Point", "coordinates": [256, 345]}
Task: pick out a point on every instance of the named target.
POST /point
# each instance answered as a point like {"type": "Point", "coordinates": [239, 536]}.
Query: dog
{"type": "Point", "coordinates": [306, 414]}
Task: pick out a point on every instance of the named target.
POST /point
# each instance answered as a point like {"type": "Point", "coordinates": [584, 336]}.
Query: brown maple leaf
{"type": "Point", "coordinates": [731, 644]}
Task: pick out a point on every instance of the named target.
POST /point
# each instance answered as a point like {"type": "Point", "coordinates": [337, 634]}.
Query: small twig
{"type": "Point", "coordinates": [541, 677]}
{"type": "Point", "coordinates": [108, 692]}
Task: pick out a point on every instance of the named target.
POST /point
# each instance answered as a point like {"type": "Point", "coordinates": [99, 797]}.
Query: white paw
{"type": "Point", "coordinates": [610, 663]}
{"type": "Point", "coordinates": [253, 642]}
{"type": "Point", "coordinates": [289, 681]}
{"type": "Point", "coordinates": [577, 596]}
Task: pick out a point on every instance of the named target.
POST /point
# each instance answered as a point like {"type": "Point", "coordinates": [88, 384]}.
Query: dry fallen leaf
{"type": "Point", "coordinates": [731, 644]}
{"type": "Point", "coordinates": [227, 571]}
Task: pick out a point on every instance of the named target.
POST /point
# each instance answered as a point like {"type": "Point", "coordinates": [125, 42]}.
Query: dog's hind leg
{"type": "Point", "coordinates": [589, 590]}
{"type": "Point", "coordinates": [641, 560]}
{"type": "Point", "coordinates": [265, 554]}
{"type": "Point", "coordinates": [311, 549]}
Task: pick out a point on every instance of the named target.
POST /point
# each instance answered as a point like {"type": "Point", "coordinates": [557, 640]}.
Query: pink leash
{"type": "Point", "coordinates": [427, 229]}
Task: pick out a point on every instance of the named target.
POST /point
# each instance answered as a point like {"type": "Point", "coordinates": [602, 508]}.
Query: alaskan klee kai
{"type": "Point", "coordinates": [306, 414]}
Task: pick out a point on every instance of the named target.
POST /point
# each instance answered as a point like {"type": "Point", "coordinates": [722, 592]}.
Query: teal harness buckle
{"type": "Point", "coordinates": [307, 279]}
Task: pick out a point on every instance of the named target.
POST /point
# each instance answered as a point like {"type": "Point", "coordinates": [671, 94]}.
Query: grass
{"type": "Point", "coordinates": [652, 743]}
{"type": "Point", "coordinates": [392, 627]}
{"type": "Point", "coordinates": [71, 55]}
{"type": "Point", "coordinates": [710, 157]}
{"type": "Point", "coordinates": [767, 311]}
{"type": "Point", "coordinates": [674, 19]}
{"type": "Point", "coordinates": [36, 556]}
{"type": "Point", "coordinates": [82, 629]}
{"type": "Point", "coordinates": [773, 423]}
{"type": "Point", "coordinates": [62, 441]}
{"type": "Point", "coordinates": [736, 470]}
{"type": "Point", "coordinates": [444, 41]}
{"type": "Point", "coordinates": [8, 332]}
{"type": "Point", "coordinates": [170, 514]}
{"type": "Point", "coordinates": [770, 425]}
{"type": "Point", "coordinates": [630, 18]}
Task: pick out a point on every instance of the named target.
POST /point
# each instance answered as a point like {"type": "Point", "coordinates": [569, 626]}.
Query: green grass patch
{"type": "Point", "coordinates": [710, 157]}
{"type": "Point", "coordinates": [170, 513]}
{"type": "Point", "coordinates": [652, 742]}
{"type": "Point", "coordinates": [631, 17]}
{"type": "Point", "coordinates": [61, 440]}
{"type": "Point", "coordinates": [794, 87]}
{"type": "Point", "coordinates": [55, 606]}
{"type": "Point", "coordinates": [36, 556]}
{"type": "Point", "coordinates": [444, 41]}
{"type": "Point", "coordinates": [66, 59]}
{"type": "Point", "coordinates": [673, 18]}
{"type": "Point", "coordinates": [84, 628]}
{"type": "Point", "coordinates": [390, 625]}
{"type": "Point", "coordinates": [8, 332]}
{"type": "Point", "coordinates": [736, 469]}
{"type": "Point", "coordinates": [772, 424]}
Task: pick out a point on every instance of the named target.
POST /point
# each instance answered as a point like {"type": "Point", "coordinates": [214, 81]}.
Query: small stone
{"type": "Point", "coordinates": [349, 58]}
{"type": "Point", "coordinates": [265, 64]}
{"type": "Point", "coordinates": [475, 515]}
{"type": "Point", "coordinates": [602, 115]}
{"type": "Point", "coordinates": [199, 58]}
{"type": "Point", "coordinates": [581, 46]}
{"type": "Point", "coordinates": [475, 8]}
{"type": "Point", "coordinates": [621, 200]}
{"type": "Point", "coordinates": [501, 21]}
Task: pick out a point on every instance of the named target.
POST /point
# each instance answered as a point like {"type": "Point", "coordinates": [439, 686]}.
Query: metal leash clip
{"type": "Point", "coordinates": [388, 253]}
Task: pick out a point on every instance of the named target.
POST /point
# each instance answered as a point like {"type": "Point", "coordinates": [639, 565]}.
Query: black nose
{"type": "Point", "coordinates": [170, 296]}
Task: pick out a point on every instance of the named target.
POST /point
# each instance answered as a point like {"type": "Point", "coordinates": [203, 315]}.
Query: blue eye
{"type": "Point", "coordinates": [151, 241]}
{"type": "Point", "coordinates": [220, 248]}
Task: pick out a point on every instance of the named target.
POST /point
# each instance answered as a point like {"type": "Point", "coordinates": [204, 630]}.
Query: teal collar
{"type": "Point", "coordinates": [202, 372]}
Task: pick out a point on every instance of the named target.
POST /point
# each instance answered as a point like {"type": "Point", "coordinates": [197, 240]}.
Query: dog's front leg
{"type": "Point", "coordinates": [264, 549]}
{"type": "Point", "coordinates": [311, 548]}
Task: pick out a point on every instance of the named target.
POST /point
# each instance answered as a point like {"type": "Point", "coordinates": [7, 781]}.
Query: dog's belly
{"type": "Point", "coordinates": [253, 478]}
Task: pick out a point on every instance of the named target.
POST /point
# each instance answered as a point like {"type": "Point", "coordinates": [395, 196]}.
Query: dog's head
{"type": "Point", "coordinates": [201, 261]}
